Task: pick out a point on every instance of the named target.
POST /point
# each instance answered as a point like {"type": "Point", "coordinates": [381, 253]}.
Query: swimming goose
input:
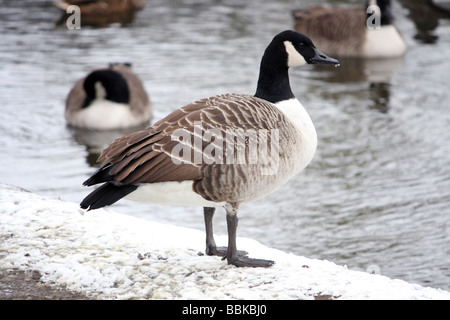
{"type": "Point", "coordinates": [108, 98]}
{"type": "Point", "coordinates": [203, 153]}
{"type": "Point", "coordinates": [101, 6]}
{"type": "Point", "coordinates": [100, 12]}
{"type": "Point", "coordinates": [343, 32]}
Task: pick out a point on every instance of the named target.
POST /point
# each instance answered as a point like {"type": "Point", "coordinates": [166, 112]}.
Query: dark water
{"type": "Point", "coordinates": [375, 197]}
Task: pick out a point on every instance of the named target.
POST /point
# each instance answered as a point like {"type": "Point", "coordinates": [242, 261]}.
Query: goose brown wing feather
{"type": "Point", "coordinates": [146, 156]}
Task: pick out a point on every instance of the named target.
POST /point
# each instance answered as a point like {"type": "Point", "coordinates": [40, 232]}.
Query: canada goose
{"type": "Point", "coordinates": [344, 32]}
{"type": "Point", "coordinates": [147, 165]}
{"type": "Point", "coordinates": [101, 12]}
{"type": "Point", "coordinates": [108, 98]}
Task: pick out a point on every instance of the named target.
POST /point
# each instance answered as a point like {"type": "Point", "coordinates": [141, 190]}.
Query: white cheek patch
{"type": "Point", "coordinates": [100, 92]}
{"type": "Point", "coordinates": [294, 57]}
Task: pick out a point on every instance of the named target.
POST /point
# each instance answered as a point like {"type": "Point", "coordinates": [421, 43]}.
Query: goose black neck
{"type": "Point", "coordinates": [113, 83]}
{"type": "Point", "coordinates": [273, 82]}
{"type": "Point", "coordinates": [386, 16]}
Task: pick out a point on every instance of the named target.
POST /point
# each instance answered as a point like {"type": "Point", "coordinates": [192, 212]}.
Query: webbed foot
{"type": "Point", "coordinates": [221, 251]}
{"type": "Point", "coordinates": [244, 261]}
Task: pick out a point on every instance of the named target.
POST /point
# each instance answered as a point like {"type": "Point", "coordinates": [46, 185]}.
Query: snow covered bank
{"type": "Point", "coordinates": [114, 256]}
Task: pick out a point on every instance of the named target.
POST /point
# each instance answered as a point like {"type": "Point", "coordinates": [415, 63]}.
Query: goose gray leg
{"type": "Point", "coordinates": [232, 255]}
{"type": "Point", "coordinates": [211, 248]}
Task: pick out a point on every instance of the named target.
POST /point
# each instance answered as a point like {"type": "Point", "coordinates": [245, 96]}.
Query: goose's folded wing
{"type": "Point", "coordinates": [172, 149]}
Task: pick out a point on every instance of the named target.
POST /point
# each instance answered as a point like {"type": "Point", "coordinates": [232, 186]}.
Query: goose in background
{"type": "Point", "coordinates": [343, 31]}
{"type": "Point", "coordinates": [211, 172]}
{"type": "Point", "coordinates": [101, 12]}
{"type": "Point", "coordinates": [107, 99]}
{"type": "Point", "coordinates": [426, 16]}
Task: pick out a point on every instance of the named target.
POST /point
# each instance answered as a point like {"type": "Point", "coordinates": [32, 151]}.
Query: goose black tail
{"type": "Point", "coordinates": [102, 175]}
{"type": "Point", "coordinates": [106, 195]}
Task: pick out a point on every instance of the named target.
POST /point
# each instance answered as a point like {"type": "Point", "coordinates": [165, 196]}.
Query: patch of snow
{"type": "Point", "coordinates": [113, 256]}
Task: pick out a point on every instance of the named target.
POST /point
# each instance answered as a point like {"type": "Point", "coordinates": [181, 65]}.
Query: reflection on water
{"type": "Point", "coordinates": [360, 70]}
{"type": "Point", "coordinates": [425, 17]}
{"type": "Point", "coordinates": [377, 191]}
{"type": "Point", "coordinates": [380, 96]}
{"type": "Point", "coordinates": [376, 73]}
{"type": "Point", "coordinates": [95, 141]}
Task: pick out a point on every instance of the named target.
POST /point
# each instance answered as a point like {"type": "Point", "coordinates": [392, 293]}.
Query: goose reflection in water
{"type": "Point", "coordinates": [377, 73]}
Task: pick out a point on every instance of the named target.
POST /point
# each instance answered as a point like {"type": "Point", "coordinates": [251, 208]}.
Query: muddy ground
{"type": "Point", "coordinates": [20, 285]}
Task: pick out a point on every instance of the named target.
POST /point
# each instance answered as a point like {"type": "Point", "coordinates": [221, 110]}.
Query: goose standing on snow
{"type": "Point", "coordinates": [107, 99]}
{"type": "Point", "coordinates": [343, 31]}
{"type": "Point", "coordinates": [202, 154]}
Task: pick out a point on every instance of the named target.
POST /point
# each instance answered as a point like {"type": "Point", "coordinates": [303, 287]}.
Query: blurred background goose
{"type": "Point", "coordinates": [343, 31]}
{"type": "Point", "coordinates": [108, 98]}
{"type": "Point", "coordinates": [101, 12]}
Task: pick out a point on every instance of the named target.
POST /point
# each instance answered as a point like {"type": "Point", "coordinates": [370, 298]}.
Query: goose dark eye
{"type": "Point", "coordinates": [301, 44]}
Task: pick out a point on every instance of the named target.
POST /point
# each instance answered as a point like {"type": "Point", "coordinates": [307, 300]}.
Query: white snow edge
{"type": "Point", "coordinates": [107, 255]}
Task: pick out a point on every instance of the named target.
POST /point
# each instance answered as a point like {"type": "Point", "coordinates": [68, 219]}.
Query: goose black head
{"type": "Point", "coordinates": [106, 84]}
{"type": "Point", "coordinates": [287, 49]}
{"type": "Point", "coordinates": [301, 50]}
